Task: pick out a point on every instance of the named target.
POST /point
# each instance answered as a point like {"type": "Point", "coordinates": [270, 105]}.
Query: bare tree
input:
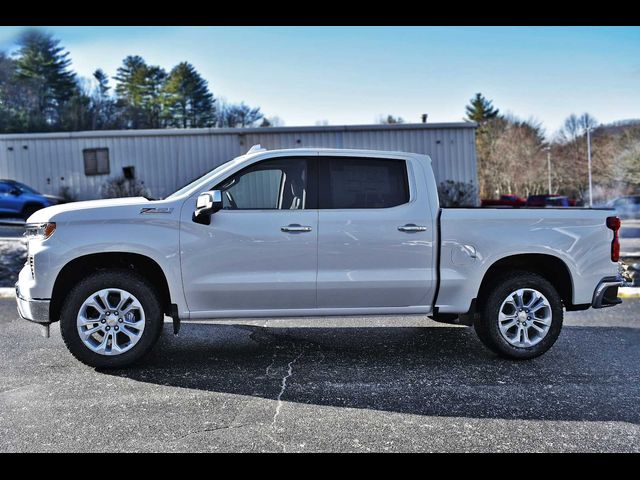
{"type": "Point", "coordinates": [389, 119]}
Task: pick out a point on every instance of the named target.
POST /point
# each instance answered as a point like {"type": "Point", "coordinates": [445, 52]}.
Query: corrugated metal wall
{"type": "Point", "coordinates": [168, 159]}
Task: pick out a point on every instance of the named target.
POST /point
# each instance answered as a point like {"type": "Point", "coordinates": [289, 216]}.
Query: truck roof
{"type": "Point", "coordinates": [257, 150]}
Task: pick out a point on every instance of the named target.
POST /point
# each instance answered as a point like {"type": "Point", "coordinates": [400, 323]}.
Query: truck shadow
{"type": "Point", "coordinates": [591, 374]}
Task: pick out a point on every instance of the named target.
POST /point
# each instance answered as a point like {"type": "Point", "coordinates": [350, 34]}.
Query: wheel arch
{"type": "Point", "coordinates": [84, 265]}
{"type": "Point", "coordinates": [552, 268]}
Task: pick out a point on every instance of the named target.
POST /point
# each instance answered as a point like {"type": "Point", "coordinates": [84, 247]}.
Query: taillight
{"type": "Point", "coordinates": [614, 224]}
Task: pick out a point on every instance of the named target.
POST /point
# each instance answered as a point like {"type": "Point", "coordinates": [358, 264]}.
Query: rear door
{"type": "Point", "coordinates": [375, 234]}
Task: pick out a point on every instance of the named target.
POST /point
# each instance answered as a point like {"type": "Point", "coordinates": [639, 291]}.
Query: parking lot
{"type": "Point", "coordinates": [348, 384]}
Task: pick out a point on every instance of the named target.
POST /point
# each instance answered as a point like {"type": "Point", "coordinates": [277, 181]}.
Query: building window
{"type": "Point", "coordinates": [96, 161]}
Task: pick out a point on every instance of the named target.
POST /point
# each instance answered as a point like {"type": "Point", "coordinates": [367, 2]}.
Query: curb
{"type": "Point", "coordinates": [629, 292]}
{"type": "Point", "coordinates": [7, 292]}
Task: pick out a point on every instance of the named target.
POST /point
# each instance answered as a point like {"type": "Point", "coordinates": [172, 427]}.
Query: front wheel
{"type": "Point", "coordinates": [521, 317]}
{"type": "Point", "coordinates": [111, 319]}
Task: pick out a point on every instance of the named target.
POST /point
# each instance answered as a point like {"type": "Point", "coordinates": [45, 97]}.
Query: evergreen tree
{"type": "Point", "coordinates": [188, 101]}
{"type": "Point", "coordinates": [9, 95]}
{"type": "Point", "coordinates": [138, 89]}
{"type": "Point", "coordinates": [42, 66]}
{"type": "Point", "coordinates": [103, 106]}
{"type": "Point", "coordinates": [153, 99]}
{"type": "Point", "coordinates": [481, 110]}
{"type": "Point", "coordinates": [390, 120]}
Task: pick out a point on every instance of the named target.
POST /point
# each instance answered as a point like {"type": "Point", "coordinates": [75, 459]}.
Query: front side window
{"type": "Point", "coordinates": [279, 184]}
{"type": "Point", "coordinates": [362, 183]}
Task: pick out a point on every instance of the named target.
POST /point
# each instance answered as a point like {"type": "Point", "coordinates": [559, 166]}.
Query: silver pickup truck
{"type": "Point", "coordinates": [312, 232]}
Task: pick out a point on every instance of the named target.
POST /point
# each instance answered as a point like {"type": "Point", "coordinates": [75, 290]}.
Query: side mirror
{"type": "Point", "coordinates": [207, 204]}
{"type": "Point", "coordinates": [16, 192]}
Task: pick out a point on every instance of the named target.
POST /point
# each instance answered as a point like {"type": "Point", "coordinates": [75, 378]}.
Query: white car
{"type": "Point", "coordinates": [312, 232]}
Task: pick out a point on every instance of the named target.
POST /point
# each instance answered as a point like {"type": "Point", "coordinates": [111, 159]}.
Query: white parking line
{"type": "Point", "coordinates": [7, 293]}
{"type": "Point", "coordinates": [629, 292]}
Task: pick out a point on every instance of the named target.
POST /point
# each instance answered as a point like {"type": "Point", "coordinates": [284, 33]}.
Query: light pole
{"type": "Point", "coordinates": [549, 166]}
{"type": "Point", "coordinates": [589, 160]}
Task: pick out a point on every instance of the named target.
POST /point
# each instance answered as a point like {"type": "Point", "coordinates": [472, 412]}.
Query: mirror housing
{"type": "Point", "coordinates": [16, 192]}
{"type": "Point", "coordinates": [207, 204]}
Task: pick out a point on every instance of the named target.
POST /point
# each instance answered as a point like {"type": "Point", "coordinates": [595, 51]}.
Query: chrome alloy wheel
{"type": "Point", "coordinates": [524, 318]}
{"type": "Point", "coordinates": [111, 321]}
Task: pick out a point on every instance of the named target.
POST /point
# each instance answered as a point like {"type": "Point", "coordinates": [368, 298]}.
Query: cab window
{"type": "Point", "coordinates": [279, 184]}
{"type": "Point", "coordinates": [362, 183]}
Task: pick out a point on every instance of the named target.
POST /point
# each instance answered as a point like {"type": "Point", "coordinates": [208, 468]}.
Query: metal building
{"type": "Point", "coordinates": [167, 159]}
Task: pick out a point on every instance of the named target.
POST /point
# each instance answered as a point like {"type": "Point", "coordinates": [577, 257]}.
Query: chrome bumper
{"type": "Point", "coordinates": [606, 293]}
{"type": "Point", "coordinates": [32, 310]}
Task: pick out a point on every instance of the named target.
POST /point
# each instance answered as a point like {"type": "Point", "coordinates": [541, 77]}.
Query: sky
{"type": "Point", "coordinates": [353, 75]}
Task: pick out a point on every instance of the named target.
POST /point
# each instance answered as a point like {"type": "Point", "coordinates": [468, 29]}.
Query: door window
{"type": "Point", "coordinates": [362, 183]}
{"type": "Point", "coordinates": [279, 184]}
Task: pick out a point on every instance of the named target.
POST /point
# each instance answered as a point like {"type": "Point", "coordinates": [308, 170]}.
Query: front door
{"type": "Point", "coordinates": [260, 251]}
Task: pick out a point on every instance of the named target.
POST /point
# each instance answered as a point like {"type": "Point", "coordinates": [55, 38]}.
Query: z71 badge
{"type": "Point", "coordinates": [156, 210]}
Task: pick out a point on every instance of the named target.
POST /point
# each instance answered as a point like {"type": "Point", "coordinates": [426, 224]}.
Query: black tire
{"type": "Point", "coordinates": [132, 283]}
{"type": "Point", "coordinates": [487, 326]}
{"type": "Point", "coordinates": [29, 210]}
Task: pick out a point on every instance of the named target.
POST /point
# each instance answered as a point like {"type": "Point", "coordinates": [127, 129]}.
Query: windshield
{"type": "Point", "coordinates": [215, 171]}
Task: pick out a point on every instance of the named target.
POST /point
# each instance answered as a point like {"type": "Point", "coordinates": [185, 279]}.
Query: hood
{"type": "Point", "coordinates": [101, 209]}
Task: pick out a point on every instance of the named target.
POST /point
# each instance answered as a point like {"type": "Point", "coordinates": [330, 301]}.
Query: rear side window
{"type": "Point", "coordinates": [362, 183]}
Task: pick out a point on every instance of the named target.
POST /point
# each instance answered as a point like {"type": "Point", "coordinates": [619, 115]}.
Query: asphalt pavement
{"type": "Point", "coordinates": [345, 384]}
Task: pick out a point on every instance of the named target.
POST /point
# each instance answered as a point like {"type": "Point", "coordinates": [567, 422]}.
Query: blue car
{"type": "Point", "coordinates": [19, 200]}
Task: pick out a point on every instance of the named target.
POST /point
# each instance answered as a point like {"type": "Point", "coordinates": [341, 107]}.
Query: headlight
{"type": "Point", "coordinates": [39, 231]}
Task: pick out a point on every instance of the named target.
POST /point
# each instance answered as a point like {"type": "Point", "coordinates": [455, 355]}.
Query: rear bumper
{"type": "Point", "coordinates": [606, 293]}
{"type": "Point", "coordinates": [34, 310]}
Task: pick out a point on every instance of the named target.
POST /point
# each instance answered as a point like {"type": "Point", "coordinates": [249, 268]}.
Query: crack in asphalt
{"type": "Point", "coordinates": [12, 389]}
{"type": "Point", "coordinates": [205, 430]}
{"type": "Point", "coordinates": [283, 388]}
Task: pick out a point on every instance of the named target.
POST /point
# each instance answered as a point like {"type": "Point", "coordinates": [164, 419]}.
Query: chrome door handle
{"type": "Point", "coordinates": [295, 228]}
{"type": "Point", "coordinates": [412, 227]}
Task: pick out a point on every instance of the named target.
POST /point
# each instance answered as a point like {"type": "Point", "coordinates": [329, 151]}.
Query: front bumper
{"type": "Point", "coordinates": [34, 310]}
{"type": "Point", "coordinates": [606, 293]}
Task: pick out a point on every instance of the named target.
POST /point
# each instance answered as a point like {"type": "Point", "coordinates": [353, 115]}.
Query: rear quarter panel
{"type": "Point", "coordinates": [578, 237]}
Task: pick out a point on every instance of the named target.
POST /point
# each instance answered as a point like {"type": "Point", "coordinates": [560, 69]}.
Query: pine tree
{"type": "Point", "coordinates": [102, 105]}
{"type": "Point", "coordinates": [490, 126]}
{"type": "Point", "coordinates": [187, 99]}
{"type": "Point", "coordinates": [481, 109]}
{"type": "Point", "coordinates": [43, 67]}
{"type": "Point", "coordinates": [138, 90]}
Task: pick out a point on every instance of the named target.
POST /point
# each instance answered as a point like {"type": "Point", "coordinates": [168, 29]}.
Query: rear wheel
{"type": "Point", "coordinates": [111, 319]}
{"type": "Point", "coordinates": [521, 317]}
